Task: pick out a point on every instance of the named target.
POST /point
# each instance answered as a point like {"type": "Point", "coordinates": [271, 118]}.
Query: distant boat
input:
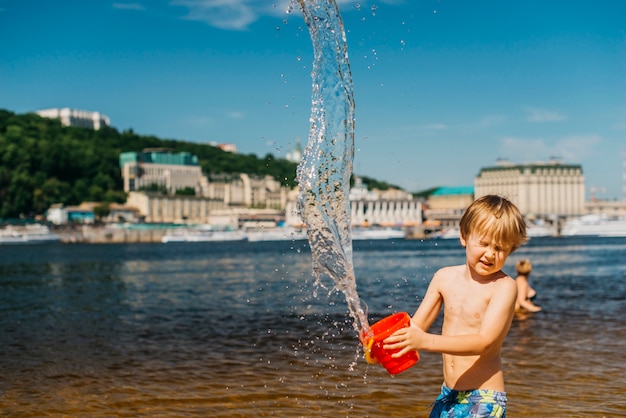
{"type": "Point", "coordinates": [594, 225]}
{"type": "Point", "coordinates": [29, 234]}
{"type": "Point", "coordinates": [540, 229]}
{"type": "Point", "coordinates": [276, 234]}
{"type": "Point", "coordinates": [373, 233]}
{"type": "Point", "coordinates": [203, 234]}
{"type": "Point", "coordinates": [450, 233]}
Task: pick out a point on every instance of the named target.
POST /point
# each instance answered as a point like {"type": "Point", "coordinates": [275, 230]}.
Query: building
{"type": "Point", "coordinates": [540, 190]}
{"type": "Point", "coordinates": [385, 212]}
{"type": "Point", "coordinates": [158, 208]}
{"type": "Point", "coordinates": [75, 117]}
{"type": "Point", "coordinates": [445, 207]}
{"type": "Point", "coordinates": [232, 148]}
{"type": "Point", "coordinates": [368, 209]}
{"type": "Point", "coordinates": [244, 190]}
{"type": "Point", "coordinates": [59, 214]}
{"type": "Point", "coordinates": [160, 169]}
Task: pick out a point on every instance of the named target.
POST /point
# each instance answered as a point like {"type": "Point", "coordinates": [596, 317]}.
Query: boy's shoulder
{"type": "Point", "coordinates": [451, 270]}
{"type": "Point", "coordinates": [449, 273]}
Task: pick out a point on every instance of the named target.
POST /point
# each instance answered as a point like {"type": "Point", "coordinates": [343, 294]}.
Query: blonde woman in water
{"type": "Point", "coordinates": [525, 293]}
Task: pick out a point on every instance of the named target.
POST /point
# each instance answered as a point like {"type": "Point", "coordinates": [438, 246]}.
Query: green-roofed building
{"type": "Point", "coordinates": [445, 207]}
{"type": "Point", "coordinates": [453, 191]}
{"type": "Point", "coordinates": [541, 190]}
{"type": "Point", "coordinates": [162, 168]}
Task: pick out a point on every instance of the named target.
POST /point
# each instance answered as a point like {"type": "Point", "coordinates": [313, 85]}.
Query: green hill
{"type": "Point", "coordinates": [43, 163]}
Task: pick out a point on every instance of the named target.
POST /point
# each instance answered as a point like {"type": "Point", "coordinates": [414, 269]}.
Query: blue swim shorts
{"type": "Point", "coordinates": [469, 403]}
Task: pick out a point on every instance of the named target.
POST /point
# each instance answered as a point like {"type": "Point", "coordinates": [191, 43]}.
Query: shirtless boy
{"type": "Point", "coordinates": [478, 302]}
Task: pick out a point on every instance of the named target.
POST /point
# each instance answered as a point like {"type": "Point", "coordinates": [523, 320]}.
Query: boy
{"type": "Point", "coordinates": [478, 302]}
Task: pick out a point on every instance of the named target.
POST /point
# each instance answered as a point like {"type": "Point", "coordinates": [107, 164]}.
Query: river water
{"type": "Point", "coordinates": [240, 330]}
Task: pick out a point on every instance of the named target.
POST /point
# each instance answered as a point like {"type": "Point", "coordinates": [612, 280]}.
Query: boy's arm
{"type": "Point", "coordinates": [429, 309]}
{"type": "Point", "coordinates": [493, 328]}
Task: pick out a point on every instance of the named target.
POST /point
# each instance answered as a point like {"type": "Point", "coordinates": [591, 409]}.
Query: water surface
{"type": "Point", "coordinates": [239, 329]}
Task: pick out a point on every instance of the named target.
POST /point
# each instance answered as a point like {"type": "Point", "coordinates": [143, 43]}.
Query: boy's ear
{"type": "Point", "coordinates": [463, 242]}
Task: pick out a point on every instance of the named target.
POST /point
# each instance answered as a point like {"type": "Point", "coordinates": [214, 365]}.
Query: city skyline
{"type": "Point", "coordinates": [442, 88]}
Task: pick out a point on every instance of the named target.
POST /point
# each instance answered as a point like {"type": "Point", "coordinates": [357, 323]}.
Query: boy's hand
{"type": "Point", "coordinates": [405, 340]}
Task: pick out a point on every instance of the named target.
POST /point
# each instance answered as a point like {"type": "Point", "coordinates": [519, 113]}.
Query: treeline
{"type": "Point", "coordinates": [43, 163]}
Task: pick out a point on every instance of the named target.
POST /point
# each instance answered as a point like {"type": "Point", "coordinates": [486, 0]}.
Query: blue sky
{"type": "Point", "coordinates": [442, 87]}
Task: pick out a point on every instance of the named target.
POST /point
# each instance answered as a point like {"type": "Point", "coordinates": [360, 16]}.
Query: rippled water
{"type": "Point", "coordinates": [234, 329]}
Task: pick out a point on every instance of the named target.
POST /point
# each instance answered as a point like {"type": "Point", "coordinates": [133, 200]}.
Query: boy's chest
{"type": "Point", "coordinates": [465, 305]}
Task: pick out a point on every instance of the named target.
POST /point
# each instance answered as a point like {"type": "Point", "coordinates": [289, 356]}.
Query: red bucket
{"type": "Point", "coordinates": [374, 352]}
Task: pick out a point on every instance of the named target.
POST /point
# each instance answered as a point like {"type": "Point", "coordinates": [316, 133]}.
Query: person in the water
{"type": "Point", "coordinates": [525, 293]}
{"type": "Point", "coordinates": [478, 301]}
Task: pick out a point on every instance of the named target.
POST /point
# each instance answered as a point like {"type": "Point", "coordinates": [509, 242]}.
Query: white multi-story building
{"type": "Point", "coordinates": [542, 190]}
{"type": "Point", "coordinates": [153, 176]}
{"type": "Point", "coordinates": [162, 169]}
{"type": "Point", "coordinates": [75, 117]}
{"type": "Point", "coordinates": [370, 209]}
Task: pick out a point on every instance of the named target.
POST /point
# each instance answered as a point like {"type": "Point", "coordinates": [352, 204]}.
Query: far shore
{"type": "Point", "coordinates": [108, 234]}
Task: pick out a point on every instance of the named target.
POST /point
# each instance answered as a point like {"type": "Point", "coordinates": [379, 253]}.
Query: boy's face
{"type": "Point", "coordinates": [484, 255]}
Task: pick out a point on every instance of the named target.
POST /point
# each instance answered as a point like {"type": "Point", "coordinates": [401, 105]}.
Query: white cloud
{"type": "Point", "coordinates": [198, 121]}
{"type": "Point", "coordinates": [231, 14]}
{"type": "Point", "coordinates": [575, 148]}
{"type": "Point", "coordinates": [491, 120]}
{"type": "Point", "coordinates": [570, 149]}
{"type": "Point", "coordinates": [543, 115]}
{"type": "Point", "coordinates": [236, 115]}
{"type": "Point", "coordinates": [239, 14]}
{"type": "Point", "coordinates": [128, 6]}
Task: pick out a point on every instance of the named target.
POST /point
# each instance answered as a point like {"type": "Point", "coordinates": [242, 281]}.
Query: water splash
{"type": "Point", "coordinates": [325, 170]}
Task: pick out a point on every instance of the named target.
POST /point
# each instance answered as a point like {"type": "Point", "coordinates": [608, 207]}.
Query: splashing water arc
{"type": "Point", "coordinates": [325, 170]}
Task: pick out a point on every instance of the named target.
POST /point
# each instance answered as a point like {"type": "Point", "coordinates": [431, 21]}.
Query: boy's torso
{"type": "Point", "coordinates": [465, 304]}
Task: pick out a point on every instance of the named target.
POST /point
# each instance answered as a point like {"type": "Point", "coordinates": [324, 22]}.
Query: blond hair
{"type": "Point", "coordinates": [523, 267]}
{"type": "Point", "coordinates": [498, 216]}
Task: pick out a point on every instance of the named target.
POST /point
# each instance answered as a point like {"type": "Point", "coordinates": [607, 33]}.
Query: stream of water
{"type": "Point", "coordinates": [325, 170]}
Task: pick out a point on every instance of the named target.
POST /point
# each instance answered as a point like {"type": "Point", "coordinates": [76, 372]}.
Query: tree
{"type": "Point", "coordinates": [101, 211]}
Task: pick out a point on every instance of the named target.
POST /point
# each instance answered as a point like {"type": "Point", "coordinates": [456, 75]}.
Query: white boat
{"type": "Point", "coordinates": [276, 234]}
{"type": "Point", "coordinates": [29, 234]}
{"type": "Point", "coordinates": [450, 233]}
{"type": "Point", "coordinates": [203, 234]}
{"type": "Point", "coordinates": [540, 229]}
{"type": "Point", "coordinates": [533, 230]}
{"type": "Point", "coordinates": [594, 225]}
{"type": "Point", "coordinates": [361, 234]}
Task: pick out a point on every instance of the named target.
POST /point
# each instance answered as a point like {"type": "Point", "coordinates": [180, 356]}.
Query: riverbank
{"type": "Point", "coordinates": [116, 234]}
{"type": "Point", "coordinates": [108, 234]}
